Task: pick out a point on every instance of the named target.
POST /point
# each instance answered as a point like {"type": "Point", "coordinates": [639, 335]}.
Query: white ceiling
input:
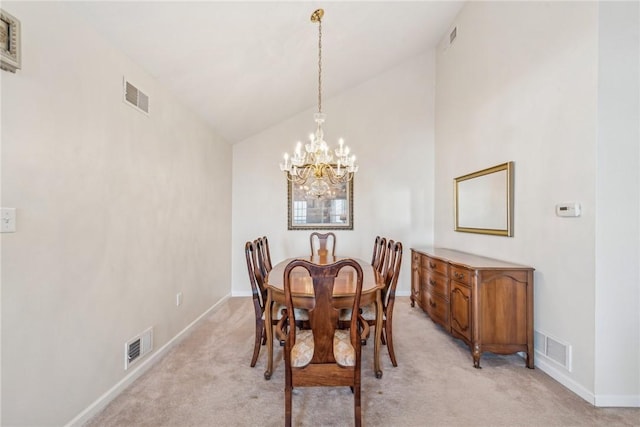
{"type": "Point", "coordinates": [245, 66]}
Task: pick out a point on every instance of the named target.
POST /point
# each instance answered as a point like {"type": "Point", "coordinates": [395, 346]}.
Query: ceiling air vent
{"type": "Point", "coordinates": [135, 97]}
{"type": "Point", "coordinates": [453, 34]}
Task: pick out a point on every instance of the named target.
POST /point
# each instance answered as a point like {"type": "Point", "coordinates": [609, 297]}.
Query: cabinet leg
{"type": "Point", "coordinates": [530, 364]}
{"type": "Point", "coordinates": [476, 353]}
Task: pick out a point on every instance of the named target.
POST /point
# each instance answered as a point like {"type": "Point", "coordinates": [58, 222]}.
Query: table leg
{"type": "Point", "coordinates": [378, 337]}
{"type": "Point", "coordinates": [269, 332]}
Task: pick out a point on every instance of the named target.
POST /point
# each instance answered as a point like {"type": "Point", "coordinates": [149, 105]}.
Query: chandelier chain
{"type": "Point", "coordinates": [319, 65]}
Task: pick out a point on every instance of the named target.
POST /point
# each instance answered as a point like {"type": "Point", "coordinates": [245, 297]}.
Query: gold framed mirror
{"type": "Point", "coordinates": [484, 201]}
{"type": "Point", "coordinates": [331, 211]}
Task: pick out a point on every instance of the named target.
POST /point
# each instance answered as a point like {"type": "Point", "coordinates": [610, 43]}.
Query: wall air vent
{"type": "Point", "coordinates": [137, 347]}
{"type": "Point", "coordinates": [135, 97]}
{"type": "Point", "coordinates": [553, 349]}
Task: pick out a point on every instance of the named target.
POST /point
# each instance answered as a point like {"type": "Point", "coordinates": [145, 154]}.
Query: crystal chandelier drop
{"type": "Point", "coordinates": [314, 164]}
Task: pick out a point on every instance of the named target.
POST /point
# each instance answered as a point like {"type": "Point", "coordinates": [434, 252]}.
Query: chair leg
{"type": "Point", "coordinates": [389, 335]}
{"type": "Point", "coordinates": [357, 406]}
{"type": "Point", "coordinates": [260, 336]}
{"type": "Point", "coordinates": [287, 406]}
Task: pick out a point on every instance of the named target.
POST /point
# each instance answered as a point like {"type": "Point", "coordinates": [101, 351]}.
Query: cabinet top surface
{"type": "Point", "coordinates": [467, 259]}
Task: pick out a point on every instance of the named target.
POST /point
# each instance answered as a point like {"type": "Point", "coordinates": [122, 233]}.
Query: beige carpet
{"type": "Point", "coordinates": [207, 381]}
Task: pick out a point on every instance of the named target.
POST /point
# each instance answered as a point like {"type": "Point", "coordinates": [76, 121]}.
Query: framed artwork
{"type": "Point", "coordinates": [333, 210]}
{"type": "Point", "coordinates": [9, 42]}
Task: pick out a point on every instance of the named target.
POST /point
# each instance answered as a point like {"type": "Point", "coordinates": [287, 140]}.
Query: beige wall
{"type": "Point", "coordinates": [617, 311]}
{"type": "Point", "coordinates": [116, 213]}
{"type": "Point", "coordinates": [388, 123]}
{"type": "Point", "coordinates": [520, 83]}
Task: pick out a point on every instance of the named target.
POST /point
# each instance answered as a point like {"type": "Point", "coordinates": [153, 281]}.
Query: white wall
{"type": "Point", "coordinates": [388, 123]}
{"type": "Point", "coordinates": [617, 311]}
{"type": "Point", "coordinates": [116, 213]}
{"type": "Point", "coordinates": [521, 83]}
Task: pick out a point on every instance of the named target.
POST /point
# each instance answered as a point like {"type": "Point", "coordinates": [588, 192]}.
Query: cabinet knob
{"type": "Point", "coordinates": [432, 264]}
{"type": "Point", "coordinates": [432, 282]}
{"type": "Point", "coordinates": [431, 303]}
{"type": "Point", "coordinates": [458, 275]}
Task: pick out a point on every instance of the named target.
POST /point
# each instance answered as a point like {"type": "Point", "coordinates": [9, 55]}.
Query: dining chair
{"type": "Point", "coordinates": [379, 251]}
{"type": "Point", "coordinates": [257, 276]}
{"type": "Point", "coordinates": [259, 294]}
{"type": "Point", "coordinates": [322, 243]}
{"type": "Point", "coordinates": [390, 271]}
{"type": "Point", "coordinates": [323, 355]}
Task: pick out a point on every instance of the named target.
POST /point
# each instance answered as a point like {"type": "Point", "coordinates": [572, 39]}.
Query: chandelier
{"type": "Point", "coordinates": [314, 164]}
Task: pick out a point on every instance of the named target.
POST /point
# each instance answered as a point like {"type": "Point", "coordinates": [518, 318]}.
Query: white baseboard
{"type": "Point", "coordinates": [106, 398]}
{"type": "Point", "coordinates": [549, 368]}
{"type": "Point", "coordinates": [601, 401]}
{"type": "Point", "coordinates": [241, 293]}
{"type": "Point", "coordinates": [617, 401]}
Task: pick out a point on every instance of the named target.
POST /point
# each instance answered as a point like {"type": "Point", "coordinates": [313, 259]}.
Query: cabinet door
{"type": "Point", "coordinates": [503, 308]}
{"type": "Point", "coordinates": [460, 301]}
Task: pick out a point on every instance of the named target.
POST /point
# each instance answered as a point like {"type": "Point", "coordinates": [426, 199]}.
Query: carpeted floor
{"type": "Point", "coordinates": [206, 381]}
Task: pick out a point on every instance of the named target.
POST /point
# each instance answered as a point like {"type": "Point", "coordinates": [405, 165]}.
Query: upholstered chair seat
{"type": "Point", "coordinates": [300, 313]}
{"type": "Point", "coordinates": [302, 351]}
{"type": "Point", "coordinates": [368, 313]}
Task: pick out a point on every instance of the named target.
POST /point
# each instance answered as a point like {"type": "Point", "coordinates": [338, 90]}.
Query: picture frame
{"type": "Point", "coordinates": [331, 211]}
{"type": "Point", "coordinates": [484, 201]}
{"type": "Point", "coordinates": [10, 55]}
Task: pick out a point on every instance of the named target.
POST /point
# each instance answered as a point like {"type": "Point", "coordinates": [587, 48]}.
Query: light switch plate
{"type": "Point", "coordinates": [7, 220]}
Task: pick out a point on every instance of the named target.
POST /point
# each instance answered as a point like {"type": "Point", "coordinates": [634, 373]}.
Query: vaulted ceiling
{"type": "Point", "coordinates": [245, 66]}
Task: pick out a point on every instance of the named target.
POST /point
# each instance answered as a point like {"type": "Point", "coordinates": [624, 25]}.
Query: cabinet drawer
{"type": "Point", "coordinates": [438, 283]}
{"type": "Point", "coordinates": [461, 275]}
{"type": "Point", "coordinates": [436, 307]}
{"type": "Point", "coordinates": [434, 264]}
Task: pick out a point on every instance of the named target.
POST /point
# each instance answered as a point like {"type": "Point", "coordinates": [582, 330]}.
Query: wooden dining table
{"type": "Point", "coordinates": [344, 290]}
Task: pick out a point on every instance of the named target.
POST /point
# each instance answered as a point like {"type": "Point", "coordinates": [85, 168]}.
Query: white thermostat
{"type": "Point", "coordinates": [572, 209]}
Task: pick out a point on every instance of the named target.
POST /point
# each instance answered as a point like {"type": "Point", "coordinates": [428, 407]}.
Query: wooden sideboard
{"type": "Point", "coordinates": [486, 302]}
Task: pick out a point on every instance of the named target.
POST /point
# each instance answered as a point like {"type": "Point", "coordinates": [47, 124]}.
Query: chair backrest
{"type": "Point", "coordinates": [323, 244]}
{"type": "Point", "coordinates": [256, 276]}
{"type": "Point", "coordinates": [323, 317]}
{"type": "Point", "coordinates": [265, 253]}
{"type": "Point", "coordinates": [391, 270]}
{"type": "Point", "coordinates": [379, 251]}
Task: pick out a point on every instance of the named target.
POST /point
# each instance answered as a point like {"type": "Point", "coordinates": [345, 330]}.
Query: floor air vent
{"type": "Point", "coordinates": [137, 347]}
{"type": "Point", "coordinates": [135, 97]}
{"type": "Point", "coordinates": [553, 349]}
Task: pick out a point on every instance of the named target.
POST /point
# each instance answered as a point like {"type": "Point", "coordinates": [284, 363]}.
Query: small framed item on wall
{"type": "Point", "coordinates": [9, 42]}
